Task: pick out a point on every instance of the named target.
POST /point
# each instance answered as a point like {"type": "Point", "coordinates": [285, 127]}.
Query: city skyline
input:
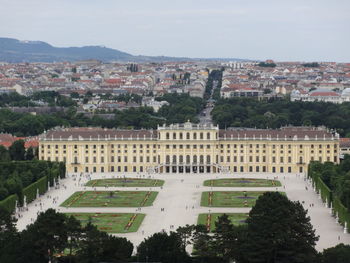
{"type": "Point", "coordinates": [288, 31]}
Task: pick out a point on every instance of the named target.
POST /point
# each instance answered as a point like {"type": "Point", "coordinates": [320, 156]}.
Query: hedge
{"type": "Point", "coordinates": [9, 203]}
{"type": "Point", "coordinates": [31, 190]}
{"type": "Point", "coordinates": [343, 213]}
{"type": "Point", "coordinates": [326, 193]}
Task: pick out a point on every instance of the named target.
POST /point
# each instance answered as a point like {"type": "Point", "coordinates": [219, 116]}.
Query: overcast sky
{"type": "Point", "coordinates": [303, 30]}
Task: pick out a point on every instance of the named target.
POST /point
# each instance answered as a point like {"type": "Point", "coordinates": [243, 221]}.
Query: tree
{"type": "Point", "coordinates": [9, 237]}
{"type": "Point", "coordinates": [98, 246]}
{"type": "Point", "coordinates": [161, 247]}
{"type": "Point", "coordinates": [279, 230]}
{"type": "Point", "coordinates": [4, 154]}
{"type": "Point", "coordinates": [46, 237]}
{"type": "Point", "coordinates": [337, 254]}
{"type": "Point", "coordinates": [185, 234]}
{"type": "Point", "coordinates": [224, 238]}
{"type": "Point", "coordinates": [17, 151]}
{"type": "Point", "coordinates": [30, 154]}
{"type": "Point", "coordinates": [203, 244]}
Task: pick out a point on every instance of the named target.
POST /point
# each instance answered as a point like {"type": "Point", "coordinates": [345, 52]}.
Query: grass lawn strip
{"type": "Point", "coordinates": [209, 219]}
{"type": "Point", "coordinates": [131, 221]}
{"type": "Point", "coordinates": [111, 222]}
{"type": "Point", "coordinates": [242, 182]}
{"type": "Point", "coordinates": [230, 198]}
{"type": "Point", "coordinates": [125, 182]}
{"type": "Point", "coordinates": [111, 199]}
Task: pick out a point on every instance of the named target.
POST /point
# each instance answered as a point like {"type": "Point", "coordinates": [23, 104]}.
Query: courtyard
{"type": "Point", "coordinates": [178, 202]}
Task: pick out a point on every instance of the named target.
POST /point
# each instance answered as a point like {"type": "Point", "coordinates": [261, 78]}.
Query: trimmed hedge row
{"type": "Point", "coordinates": [343, 213]}
{"type": "Point", "coordinates": [9, 203]}
{"type": "Point", "coordinates": [31, 190]}
{"type": "Point", "coordinates": [53, 170]}
{"type": "Point", "coordinates": [327, 194]}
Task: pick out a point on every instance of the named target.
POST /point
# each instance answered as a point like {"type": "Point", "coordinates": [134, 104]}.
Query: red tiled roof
{"type": "Point", "coordinates": [344, 142]}
{"type": "Point", "coordinates": [324, 94]}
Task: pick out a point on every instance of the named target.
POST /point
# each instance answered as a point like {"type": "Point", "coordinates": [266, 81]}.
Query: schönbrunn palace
{"type": "Point", "coordinates": [188, 147]}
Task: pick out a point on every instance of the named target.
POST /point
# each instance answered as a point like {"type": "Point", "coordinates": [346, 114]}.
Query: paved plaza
{"type": "Point", "coordinates": [180, 197]}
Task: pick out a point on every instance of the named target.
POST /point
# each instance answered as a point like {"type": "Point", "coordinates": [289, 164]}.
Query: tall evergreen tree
{"type": "Point", "coordinates": [17, 151]}
{"type": "Point", "coordinates": [279, 230]}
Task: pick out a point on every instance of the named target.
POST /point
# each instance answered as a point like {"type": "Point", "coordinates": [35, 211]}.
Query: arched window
{"type": "Point", "coordinates": [208, 158]}
{"type": "Point", "coordinates": [194, 158]}
{"type": "Point", "coordinates": [300, 159]}
{"type": "Point", "coordinates": [167, 136]}
{"type": "Point", "coordinates": [188, 136]}
{"type": "Point", "coordinates": [174, 136]}
{"type": "Point", "coordinates": [201, 159]}
{"type": "Point", "coordinates": [188, 159]}
{"type": "Point", "coordinates": [181, 136]}
{"type": "Point", "coordinates": [167, 159]}
{"type": "Point", "coordinates": [195, 136]}
{"type": "Point", "coordinates": [181, 159]}
{"type": "Point", "coordinates": [174, 158]}
{"type": "Point", "coordinates": [208, 135]}
{"type": "Point", "coordinates": [201, 135]}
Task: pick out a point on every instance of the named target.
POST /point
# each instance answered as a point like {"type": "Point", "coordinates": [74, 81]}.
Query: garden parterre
{"type": "Point", "coordinates": [111, 222]}
{"type": "Point", "coordinates": [110, 199]}
{"type": "Point", "coordinates": [242, 182]}
{"type": "Point", "coordinates": [125, 182]}
{"type": "Point", "coordinates": [230, 198]}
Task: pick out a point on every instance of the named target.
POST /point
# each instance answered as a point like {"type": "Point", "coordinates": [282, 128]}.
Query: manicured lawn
{"type": "Point", "coordinates": [236, 219]}
{"type": "Point", "coordinates": [230, 198]}
{"type": "Point", "coordinates": [111, 223]}
{"type": "Point", "coordinates": [125, 182]}
{"type": "Point", "coordinates": [105, 199]}
{"type": "Point", "coordinates": [242, 182]}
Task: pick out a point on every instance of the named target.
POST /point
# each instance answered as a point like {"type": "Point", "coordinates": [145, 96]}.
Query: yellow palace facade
{"type": "Point", "coordinates": [189, 148]}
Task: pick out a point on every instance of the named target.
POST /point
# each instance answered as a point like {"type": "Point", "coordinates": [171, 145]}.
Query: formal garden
{"type": "Point", "coordinates": [111, 222]}
{"type": "Point", "coordinates": [125, 182]}
{"type": "Point", "coordinates": [230, 198]}
{"type": "Point", "coordinates": [110, 199]}
{"type": "Point", "coordinates": [209, 219]}
{"type": "Point", "coordinates": [242, 182]}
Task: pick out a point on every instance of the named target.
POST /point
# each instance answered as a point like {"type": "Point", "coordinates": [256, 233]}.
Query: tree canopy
{"type": "Point", "coordinates": [252, 113]}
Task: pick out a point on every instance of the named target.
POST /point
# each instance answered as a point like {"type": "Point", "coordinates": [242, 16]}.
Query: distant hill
{"type": "Point", "coordinates": [15, 51]}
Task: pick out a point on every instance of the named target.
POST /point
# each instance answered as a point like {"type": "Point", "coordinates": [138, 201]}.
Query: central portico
{"type": "Point", "coordinates": [188, 148]}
